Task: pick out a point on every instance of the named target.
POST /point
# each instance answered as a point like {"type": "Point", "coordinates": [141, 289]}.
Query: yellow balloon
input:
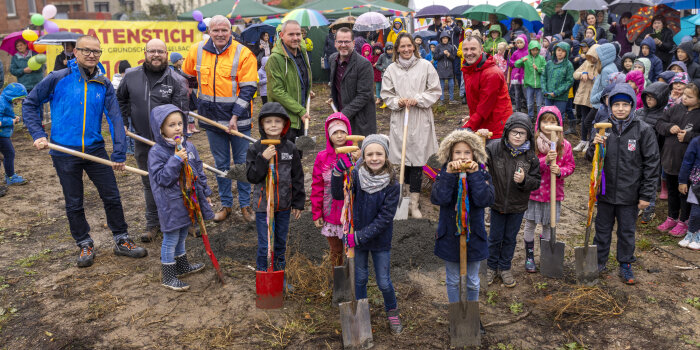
{"type": "Point", "coordinates": [33, 64]}
{"type": "Point", "coordinates": [29, 35]}
{"type": "Point", "coordinates": [40, 48]}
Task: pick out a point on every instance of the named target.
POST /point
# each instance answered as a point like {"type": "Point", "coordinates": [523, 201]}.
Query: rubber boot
{"type": "Point", "coordinates": [183, 266]}
{"type": "Point", "coordinates": [664, 190]}
{"type": "Point", "coordinates": [170, 280]}
{"type": "Point", "coordinates": [415, 213]}
{"type": "Point", "coordinates": [530, 257]}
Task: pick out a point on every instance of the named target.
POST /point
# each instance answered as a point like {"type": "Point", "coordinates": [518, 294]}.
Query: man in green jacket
{"type": "Point", "coordinates": [289, 77]}
{"type": "Point", "coordinates": [534, 65]}
{"type": "Point", "coordinates": [558, 78]}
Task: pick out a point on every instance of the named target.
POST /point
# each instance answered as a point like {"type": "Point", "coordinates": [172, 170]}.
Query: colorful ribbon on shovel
{"type": "Point", "coordinates": [271, 181]}
{"type": "Point", "coordinates": [463, 206]}
{"type": "Point", "coordinates": [597, 179]}
{"type": "Point", "coordinates": [346, 217]}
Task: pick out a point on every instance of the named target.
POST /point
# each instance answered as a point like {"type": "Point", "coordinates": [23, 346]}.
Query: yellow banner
{"type": "Point", "coordinates": [126, 40]}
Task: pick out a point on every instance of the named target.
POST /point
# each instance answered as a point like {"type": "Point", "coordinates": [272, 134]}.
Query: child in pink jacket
{"type": "Point", "coordinates": [517, 92]}
{"type": "Point", "coordinates": [326, 211]}
{"type": "Point", "coordinates": [538, 207]}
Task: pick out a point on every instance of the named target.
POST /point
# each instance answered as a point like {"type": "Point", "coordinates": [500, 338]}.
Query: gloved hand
{"type": "Point", "coordinates": [343, 164]}
{"type": "Point", "coordinates": [350, 240]}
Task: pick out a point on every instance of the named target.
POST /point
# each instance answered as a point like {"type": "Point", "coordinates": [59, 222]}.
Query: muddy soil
{"type": "Point", "coordinates": [48, 303]}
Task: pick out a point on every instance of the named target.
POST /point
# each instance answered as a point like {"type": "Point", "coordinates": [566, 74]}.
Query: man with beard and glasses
{"type": "Point", "coordinates": [143, 88]}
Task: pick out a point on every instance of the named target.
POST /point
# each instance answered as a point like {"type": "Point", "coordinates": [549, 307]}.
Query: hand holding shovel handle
{"type": "Point", "coordinates": [224, 128]}
{"type": "Point", "coordinates": [485, 137]}
{"type": "Point", "coordinates": [93, 158]}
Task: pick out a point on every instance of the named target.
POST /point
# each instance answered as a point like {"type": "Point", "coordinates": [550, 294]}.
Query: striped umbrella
{"type": "Point", "coordinates": [306, 18]}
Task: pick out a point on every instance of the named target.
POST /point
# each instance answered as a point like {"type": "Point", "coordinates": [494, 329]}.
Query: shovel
{"type": "Point", "coordinates": [270, 284]}
{"type": "Point", "coordinates": [586, 256]}
{"type": "Point", "coordinates": [306, 143]}
{"type": "Point", "coordinates": [93, 158]}
{"type": "Point", "coordinates": [482, 267]}
{"type": "Point", "coordinates": [551, 251]}
{"type": "Point", "coordinates": [402, 209]}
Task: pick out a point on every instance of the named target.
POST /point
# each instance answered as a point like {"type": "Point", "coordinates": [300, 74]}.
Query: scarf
{"type": "Point", "coordinates": [169, 141]}
{"type": "Point", "coordinates": [406, 64]}
{"type": "Point", "coordinates": [543, 143]}
{"type": "Point", "coordinates": [372, 183]}
{"type": "Point", "coordinates": [518, 151]}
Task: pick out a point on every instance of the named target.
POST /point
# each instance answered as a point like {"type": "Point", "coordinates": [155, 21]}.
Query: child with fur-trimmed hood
{"type": "Point", "coordinates": [457, 149]}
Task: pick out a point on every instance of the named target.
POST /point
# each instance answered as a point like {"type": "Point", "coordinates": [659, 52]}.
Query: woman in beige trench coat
{"type": "Point", "coordinates": [411, 82]}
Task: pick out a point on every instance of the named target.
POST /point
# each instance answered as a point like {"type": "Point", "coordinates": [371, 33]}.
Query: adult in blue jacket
{"type": "Point", "coordinates": [78, 96]}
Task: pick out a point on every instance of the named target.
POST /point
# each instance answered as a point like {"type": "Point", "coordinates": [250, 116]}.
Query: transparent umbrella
{"type": "Point", "coordinates": [371, 21]}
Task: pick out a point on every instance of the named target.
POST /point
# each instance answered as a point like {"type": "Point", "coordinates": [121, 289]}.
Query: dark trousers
{"type": "Point", "coordinates": [678, 206]}
{"type": "Point", "coordinates": [70, 172]}
{"type": "Point", "coordinates": [293, 133]}
{"type": "Point", "coordinates": [279, 243]}
{"type": "Point", "coordinates": [626, 216]}
{"type": "Point", "coordinates": [141, 155]}
{"type": "Point", "coordinates": [502, 239]}
{"type": "Point", "coordinates": [264, 99]}
{"type": "Point", "coordinates": [582, 112]}
{"type": "Point", "coordinates": [8, 151]}
{"type": "Point", "coordinates": [694, 221]}
{"type": "Point", "coordinates": [587, 122]}
{"type": "Point", "coordinates": [413, 176]}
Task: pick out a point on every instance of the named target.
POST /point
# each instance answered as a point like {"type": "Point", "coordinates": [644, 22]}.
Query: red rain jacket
{"type": "Point", "coordinates": [487, 96]}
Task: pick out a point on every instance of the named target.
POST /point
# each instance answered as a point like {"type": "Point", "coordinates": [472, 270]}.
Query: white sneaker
{"type": "Point", "coordinates": [695, 244]}
{"type": "Point", "coordinates": [685, 242]}
{"type": "Point", "coordinates": [585, 147]}
{"type": "Point", "coordinates": [579, 147]}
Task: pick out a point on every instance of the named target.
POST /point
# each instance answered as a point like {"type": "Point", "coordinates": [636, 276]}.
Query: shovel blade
{"type": "Point", "coordinates": [402, 209]}
{"type": "Point", "coordinates": [342, 291]}
{"type": "Point", "coordinates": [238, 173]}
{"type": "Point", "coordinates": [464, 324]}
{"type": "Point", "coordinates": [552, 259]}
{"type": "Point", "coordinates": [305, 143]}
{"type": "Point", "coordinates": [268, 289]}
{"type": "Point", "coordinates": [355, 324]}
{"type": "Point", "coordinates": [586, 265]}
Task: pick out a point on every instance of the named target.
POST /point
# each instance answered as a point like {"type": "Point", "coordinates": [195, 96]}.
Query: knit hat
{"type": "Point", "coordinates": [174, 57]}
{"type": "Point", "coordinates": [337, 125]}
{"type": "Point", "coordinates": [620, 97]}
{"type": "Point", "coordinates": [379, 139]}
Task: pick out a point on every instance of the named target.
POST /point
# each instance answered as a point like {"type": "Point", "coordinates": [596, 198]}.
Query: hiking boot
{"type": "Point", "coordinates": [491, 275]}
{"type": "Point", "coordinates": [647, 216]}
{"type": "Point", "coordinates": [183, 267]}
{"type": "Point", "coordinates": [170, 280]}
{"type": "Point", "coordinates": [664, 190]}
{"type": "Point", "coordinates": [248, 214]}
{"type": "Point", "coordinates": [580, 146]}
{"type": "Point", "coordinates": [15, 180]}
{"type": "Point", "coordinates": [222, 214]}
{"type": "Point", "coordinates": [667, 225]}
{"type": "Point", "coordinates": [87, 255]}
{"type": "Point", "coordinates": [507, 278]}
{"type": "Point", "coordinates": [626, 274]}
{"type": "Point", "coordinates": [679, 230]}
{"type": "Point", "coordinates": [685, 242]}
{"type": "Point", "coordinates": [695, 244]}
{"type": "Point", "coordinates": [150, 235]}
{"type": "Point", "coordinates": [394, 321]}
{"type": "Point", "coordinates": [126, 247]}
{"type": "Point", "coordinates": [415, 212]}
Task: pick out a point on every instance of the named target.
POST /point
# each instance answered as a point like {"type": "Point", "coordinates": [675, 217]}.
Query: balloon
{"type": "Point", "coordinates": [30, 46]}
{"type": "Point", "coordinates": [37, 19]}
{"type": "Point", "coordinates": [40, 58]}
{"type": "Point", "coordinates": [50, 27]}
{"type": "Point", "coordinates": [202, 27]}
{"type": "Point", "coordinates": [49, 11]}
{"type": "Point", "coordinates": [197, 15]}
{"type": "Point", "coordinates": [40, 48]}
{"type": "Point", "coordinates": [29, 35]}
{"type": "Point", "coordinates": [33, 64]}
{"type": "Point", "coordinates": [207, 20]}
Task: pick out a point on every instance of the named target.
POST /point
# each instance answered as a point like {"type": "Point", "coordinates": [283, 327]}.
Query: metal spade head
{"type": "Point", "coordinates": [238, 173]}
{"type": "Point", "coordinates": [355, 324]}
{"type": "Point", "coordinates": [342, 291]}
{"type": "Point", "coordinates": [464, 324]}
{"type": "Point", "coordinates": [268, 289]}
{"type": "Point", "coordinates": [305, 143]}
{"type": "Point", "coordinates": [552, 257]}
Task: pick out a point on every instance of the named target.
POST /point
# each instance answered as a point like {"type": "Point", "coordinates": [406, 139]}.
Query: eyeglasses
{"type": "Point", "coordinates": [88, 52]}
{"type": "Point", "coordinates": [156, 52]}
{"type": "Point", "coordinates": [518, 133]}
{"type": "Point", "coordinates": [343, 42]}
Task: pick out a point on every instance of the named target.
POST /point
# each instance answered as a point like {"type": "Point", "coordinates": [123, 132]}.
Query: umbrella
{"type": "Point", "coordinates": [252, 33]}
{"type": "Point", "coordinates": [306, 18]}
{"type": "Point", "coordinates": [547, 7]}
{"type": "Point", "coordinates": [642, 19]}
{"type": "Point", "coordinates": [426, 35]}
{"type": "Point", "coordinates": [8, 43]}
{"type": "Point", "coordinates": [519, 9]}
{"type": "Point", "coordinates": [482, 12]}
{"type": "Point", "coordinates": [680, 4]}
{"type": "Point", "coordinates": [459, 10]}
{"type": "Point", "coordinates": [688, 24]}
{"type": "Point", "coordinates": [273, 22]}
{"type": "Point", "coordinates": [58, 38]}
{"type": "Point", "coordinates": [347, 21]}
{"type": "Point", "coordinates": [532, 27]}
{"type": "Point", "coordinates": [585, 5]}
{"type": "Point", "coordinates": [622, 6]}
{"type": "Point", "coordinates": [432, 11]}
{"type": "Point", "coordinates": [371, 21]}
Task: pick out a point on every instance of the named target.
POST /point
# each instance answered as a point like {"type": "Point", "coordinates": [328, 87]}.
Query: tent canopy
{"type": "Point", "coordinates": [341, 8]}
{"type": "Point", "coordinates": [245, 8]}
{"type": "Point", "coordinates": [419, 4]}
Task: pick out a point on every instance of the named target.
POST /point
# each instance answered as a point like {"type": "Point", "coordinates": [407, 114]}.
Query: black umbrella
{"type": "Point", "coordinates": [622, 6]}
{"type": "Point", "coordinates": [432, 11]}
{"type": "Point", "coordinates": [459, 10]}
{"type": "Point", "coordinates": [253, 32]}
{"type": "Point", "coordinates": [58, 38]}
{"type": "Point", "coordinates": [426, 35]}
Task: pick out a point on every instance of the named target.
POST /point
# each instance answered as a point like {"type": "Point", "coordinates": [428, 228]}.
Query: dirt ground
{"type": "Point", "coordinates": [46, 302]}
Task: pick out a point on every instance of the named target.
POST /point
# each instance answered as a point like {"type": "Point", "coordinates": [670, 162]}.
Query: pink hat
{"type": "Point", "coordinates": [337, 125]}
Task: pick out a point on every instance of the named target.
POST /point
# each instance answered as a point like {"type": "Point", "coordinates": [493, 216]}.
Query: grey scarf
{"type": "Point", "coordinates": [372, 183]}
{"type": "Point", "coordinates": [406, 64]}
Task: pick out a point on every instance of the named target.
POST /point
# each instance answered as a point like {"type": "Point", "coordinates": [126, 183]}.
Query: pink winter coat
{"type": "Point", "coordinates": [518, 74]}
{"type": "Point", "coordinates": [565, 162]}
{"type": "Point", "coordinates": [323, 206]}
{"type": "Point", "coordinates": [637, 77]}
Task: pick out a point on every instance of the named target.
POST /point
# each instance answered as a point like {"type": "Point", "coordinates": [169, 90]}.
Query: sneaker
{"type": "Point", "coordinates": [647, 216]}
{"type": "Point", "coordinates": [491, 275]}
{"type": "Point", "coordinates": [394, 321]}
{"type": "Point", "coordinates": [507, 278]}
{"type": "Point", "coordinates": [685, 242]}
{"type": "Point", "coordinates": [667, 225]}
{"type": "Point", "coordinates": [580, 146]}
{"type": "Point", "coordinates": [15, 180]}
{"type": "Point", "coordinates": [695, 244]}
{"type": "Point", "coordinates": [530, 265]}
{"type": "Point", "coordinates": [169, 279]}
{"type": "Point", "coordinates": [87, 255]}
{"type": "Point", "coordinates": [626, 274]}
{"type": "Point", "coordinates": [680, 229]}
{"type": "Point", "coordinates": [585, 147]}
{"type": "Point", "coordinates": [126, 247]}
{"type": "Point", "coordinates": [183, 267]}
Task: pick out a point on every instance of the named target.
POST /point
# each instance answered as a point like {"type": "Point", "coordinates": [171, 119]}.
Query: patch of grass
{"type": "Point", "coordinates": [30, 260]}
{"type": "Point", "coordinates": [666, 239]}
{"type": "Point", "coordinates": [541, 285]}
{"type": "Point", "coordinates": [515, 307]}
{"type": "Point", "coordinates": [492, 297]}
{"type": "Point", "coordinates": [502, 346]}
{"type": "Point", "coordinates": [651, 300]}
{"type": "Point", "coordinates": [2, 284]}
{"type": "Point", "coordinates": [572, 346]}
{"type": "Point", "coordinates": [644, 244]}
{"type": "Point", "coordinates": [694, 302]}
{"type": "Point", "coordinates": [5, 314]}
{"type": "Point", "coordinates": [686, 339]}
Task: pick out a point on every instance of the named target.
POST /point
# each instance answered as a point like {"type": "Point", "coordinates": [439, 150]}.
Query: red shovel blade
{"type": "Point", "coordinates": [269, 287]}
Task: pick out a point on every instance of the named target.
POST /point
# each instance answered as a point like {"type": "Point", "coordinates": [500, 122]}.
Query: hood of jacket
{"type": "Point", "coordinates": [522, 52]}
{"type": "Point", "coordinates": [648, 41]}
{"type": "Point", "coordinates": [593, 52]}
{"type": "Point", "coordinates": [658, 90]}
{"type": "Point", "coordinates": [12, 92]}
{"type": "Point", "coordinates": [336, 116]}
{"type": "Point", "coordinates": [595, 32]}
{"type": "Point", "coordinates": [564, 46]}
{"type": "Point", "coordinates": [687, 47]}
{"type": "Point", "coordinates": [397, 20]}
{"type": "Point", "coordinates": [495, 28]}
{"type": "Point", "coordinates": [637, 78]}
{"type": "Point", "coordinates": [389, 46]}
{"type": "Point", "coordinates": [157, 119]}
{"type": "Point", "coordinates": [625, 89]}
{"type": "Point", "coordinates": [445, 34]}
{"type": "Point", "coordinates": [629, 55]}
{"type": "Point", "coordinates": [534, 45]}
{"type": "Point", "coordinates": [516, 120]}
{"type": "Point", "coordinates": [588, 42]}
{"type": "Point", "coordinates": [366, 47]}
{"type": "Point", "coordinates": [273, 109]}
{"type": "Point", "coordinates": [548, 109]}
{"type": "Point", "coordinates": [679, 64]}
{"type": "Point", "coordinates": [606, 54]}
{"type": "Point", "coordinates": [462, 135]}
{"type": "Point", "coordinates": [679, 78]}
{"type": "Point", "coordinates": [647, 65]}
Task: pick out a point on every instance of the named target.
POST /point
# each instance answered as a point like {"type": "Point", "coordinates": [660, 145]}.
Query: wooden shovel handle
{"type": "Point", "coordinates": [217, 125]}
{"type": "Point", "coordinates": [553, 186]}
{"type": "Point", "coordinates": [94, 159]}
{"type": "Point", "coordinates": [354, 138]}
{"type": "Point", "coordinates": [463, 255]}
{"type": "Point", "coordinates": [346, 149]}
{"type": "Point", "coordinates": [601, 127]}
{"type": "Point", "coordinates": [140, 138]}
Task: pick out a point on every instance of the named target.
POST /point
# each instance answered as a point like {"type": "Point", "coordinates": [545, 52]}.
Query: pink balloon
{"type": "Point", "coordinates": [50, 27]}
{"type": "Point", "coordinates": [49, 11]}
{"type": "Point", "coordinates": [197, 15]}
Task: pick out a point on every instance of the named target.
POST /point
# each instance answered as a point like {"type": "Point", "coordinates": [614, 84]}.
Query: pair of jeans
{"type": "Point", "coordinates": [222, 146]}
{"type": "Point", "coordinates": [131, 143]}
{"type": "Point", "coordinates": [517, 95]}
{"type": "Point", "coordinates": [381, 262]}
{"type": "Point", "coordinates": [70, 173]}
{"type": "Point", "coordinates": [451, 85]}
{"type": "Point", "coordinates": [413, 176]}
{"type": "Point", "coordinates": [462, 92]}
{"type": "Point", "coordinates": [678, 206]}
{"type": "Point", "coordinates": [504, 230]}
{"type": "Point", "coordinates": [378, 89]}
{"type": "Point", "coordinates": [570, 110]}
{"type": "Point", "coordinates": [582, 111]}
{"type": "Point", "coordinates": [8, 152]}
{"type": "Point", "coordinates": [279, 242]}
{"type": "Point", "coordinates": [173, 245]}
{"type": "Point", "coordinates": [626, 216]}
{"type": "Point", "coordinates": [561, 106]}
{"type": "Point", "coordinates": [694, 221]}
{"type": "Point", "coordinates": [533, 95]}
{"type": "Point", "coordinates": [141, 156]}
{"type": "Point", "coordinates": [452, 281]}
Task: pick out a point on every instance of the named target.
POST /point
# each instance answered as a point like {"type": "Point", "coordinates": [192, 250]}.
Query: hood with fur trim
{"type": "Point", "coordinates": [462, 135]}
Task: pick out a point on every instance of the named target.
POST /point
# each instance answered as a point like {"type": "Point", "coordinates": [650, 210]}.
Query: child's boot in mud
{"type": "Point", "coordinates": [183, 267]}
{"type": "Point", "coordinates": [170, 280]}
{"type": "Point", "coordinates": [415, 212]}
{"type": "Point", "coordinates": [530, 257]}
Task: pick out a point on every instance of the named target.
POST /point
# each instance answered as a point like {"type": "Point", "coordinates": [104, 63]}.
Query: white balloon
{"type": "Point", "coordinates": [207, 20]}
{"type": "Point", "coordinates": [49, 11]}
{"type": "Point", "coordinates": [205, 37]}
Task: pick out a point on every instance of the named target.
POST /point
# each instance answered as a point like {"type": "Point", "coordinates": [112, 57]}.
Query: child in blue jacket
{"type": "Point", "coordinates": [13, 95]}
{"type": "Point", "coordinates": [165, 162]}
{"type": "Point", "coordinates": [376, 196]}
{"type": "Point", "coordinates": [689, 184]}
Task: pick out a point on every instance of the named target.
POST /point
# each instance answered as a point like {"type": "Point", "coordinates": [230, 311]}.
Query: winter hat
{"type": "Point", "coordinates": [620, 97]}
{"type": "Point", "coordinates": [379, 139]}
{"type": "Point", "coordinates": [667, 76]}
{"type": "Point", "coordinates": [174, 57]}
{"type": "Point", "coordinates": [337, 125]}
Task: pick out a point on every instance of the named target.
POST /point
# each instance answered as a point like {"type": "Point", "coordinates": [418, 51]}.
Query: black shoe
{"type": "Point", "coordinates": [170, 280]}
{"type": "Point", "coordinates": [126, 247]}
{"type": "Point", "coordinates": [87, 255]}
{"type": "Point", "coordinates": [183, 267]}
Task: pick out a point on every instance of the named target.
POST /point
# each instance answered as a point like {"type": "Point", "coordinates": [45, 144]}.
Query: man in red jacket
{"type": "Point", "coordinates": [486, 90]}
